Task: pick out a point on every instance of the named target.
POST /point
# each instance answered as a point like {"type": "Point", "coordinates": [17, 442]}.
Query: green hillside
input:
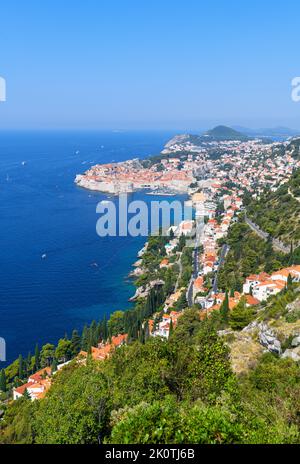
{"type": "Point", "coordinates": [168, 392]}
{"type": "Point", "coordinates": [278, 213]}
{"type": "Point", "coordinates": [223, 133]}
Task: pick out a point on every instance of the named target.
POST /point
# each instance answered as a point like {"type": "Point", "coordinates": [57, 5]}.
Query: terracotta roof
{"type": "Point", "coordinates": [251, 300]}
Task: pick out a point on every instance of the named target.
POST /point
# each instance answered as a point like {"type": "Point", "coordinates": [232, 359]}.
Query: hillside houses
{"type": "Point", "coordinates": [104, 350]}
{"type": "Point", "coordinates": [263, 285]}
{"type": "Point", "coordinates": [39, 383]}
{"type": "Point", "coordinates": [36, 387]}
{"type": "Point", "coordinates": [163, 327]}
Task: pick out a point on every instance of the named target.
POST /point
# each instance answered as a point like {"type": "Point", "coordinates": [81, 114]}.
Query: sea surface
{"type": "Point", "coordinates": [42, 212]}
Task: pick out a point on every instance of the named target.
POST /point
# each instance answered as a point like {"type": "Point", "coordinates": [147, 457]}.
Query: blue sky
{"type": "Point", "coordinates": [149, 64]}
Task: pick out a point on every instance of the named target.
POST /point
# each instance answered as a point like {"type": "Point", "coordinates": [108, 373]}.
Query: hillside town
{"type": "Point", "coordinates": [216, 188]}
{"type": "Point", "coordinates": [250, 165]}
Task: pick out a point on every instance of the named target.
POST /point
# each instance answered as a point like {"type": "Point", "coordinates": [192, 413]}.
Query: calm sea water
{"type": "Point", "coordinates": [42, 211]}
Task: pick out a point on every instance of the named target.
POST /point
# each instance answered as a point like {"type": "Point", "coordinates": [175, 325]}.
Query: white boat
{"type": "Point", "coordinates": [44, 256]}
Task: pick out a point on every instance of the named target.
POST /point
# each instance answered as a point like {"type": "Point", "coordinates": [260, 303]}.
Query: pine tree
{"type": "Point", "coordinates": [241, 315]}
{"type": "Point", "coordinates": [3, 381]}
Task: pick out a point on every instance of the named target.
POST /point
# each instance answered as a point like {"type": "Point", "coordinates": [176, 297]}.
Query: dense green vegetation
{"type": "Point", "coordinates": [180, 391]}
{"type": "Point", "coordinates": [278, 213]}
{"type": "Point", "coordinates": [248, 254]}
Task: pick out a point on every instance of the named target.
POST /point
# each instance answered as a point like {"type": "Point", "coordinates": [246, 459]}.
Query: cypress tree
{"type": "Point", "coordinates": [142, 335]}
{"type": "Point", "coordinates": [76, 342]}
{"type": "Point", "coordinates": [54, 366]}
{"type": "Point", "coordinates": [37, 361]}
{"type": "Point", "coordinates": [289, 282]}
{"type": "Point", "coordinates": [93, 339]}
{"type": "Point", "coordinates": [171, 328]}
{"type": "Point", "coordinates": [85, 339]}
{"type": "Point", "coordinates": [104, 328]}
{"type": "Point", "coordinates": [3, 381]}
{"type": "Point", "coordinates": [225, 308]}
{"type": "Point", "coordinates": [28, 363]}
{"type": "Point", "coordinates": [21, 367]}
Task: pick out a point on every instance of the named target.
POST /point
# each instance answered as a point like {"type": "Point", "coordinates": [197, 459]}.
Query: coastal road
{"type": "Point", "coordinates": [277, 244]}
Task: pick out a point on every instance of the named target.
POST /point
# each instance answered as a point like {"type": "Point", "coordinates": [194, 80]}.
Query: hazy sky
{"type": "Point", "coordinates": [149, 64]}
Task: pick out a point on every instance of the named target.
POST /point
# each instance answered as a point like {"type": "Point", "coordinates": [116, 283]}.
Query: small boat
{"type": "Point", "coordinates": [24, 163]}
{"type": "Point", "coordinates": [77, 152]}
{"type": "Point", "coordinates": [95, 265]}
{"type": "Point", "coordinates": [44, 256]}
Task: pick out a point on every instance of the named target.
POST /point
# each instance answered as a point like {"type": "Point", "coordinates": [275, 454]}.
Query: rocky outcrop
{"type": "Point", "coordinates": [268, 339]}
{"type": "Point", "coordinates": [296, 342]}
{"type": "Point", "coordinates": [143, 292]}
{"type": "Point", "coordinates": [245, 350]}
{"type": "Point", "coordinates": [143, 250]}
{"type": "Point", "coordinates": [137, 272]}
{"type": "Point", "coordinates": [273, 338]}
{"type": "Point", "coordinates": [292, 354]}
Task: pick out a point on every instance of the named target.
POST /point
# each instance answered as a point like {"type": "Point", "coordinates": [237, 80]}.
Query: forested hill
{"type": "Point", "coordinates": [224, 133]}
{"type": "Point", "coordinates": [278, 213]}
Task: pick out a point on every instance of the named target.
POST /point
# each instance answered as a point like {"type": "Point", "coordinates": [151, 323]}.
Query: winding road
{"type": "Point", "coordinates": [277, 244]}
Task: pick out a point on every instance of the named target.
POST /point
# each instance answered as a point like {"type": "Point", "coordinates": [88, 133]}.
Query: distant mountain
{"type": "Point", "coordinates": [224, 133]}
{"type": "Point", "coordinates": [268, 132]}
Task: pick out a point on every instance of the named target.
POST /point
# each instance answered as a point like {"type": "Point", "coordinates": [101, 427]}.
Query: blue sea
{"type": "Point", "coordinates": [42, 211]}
